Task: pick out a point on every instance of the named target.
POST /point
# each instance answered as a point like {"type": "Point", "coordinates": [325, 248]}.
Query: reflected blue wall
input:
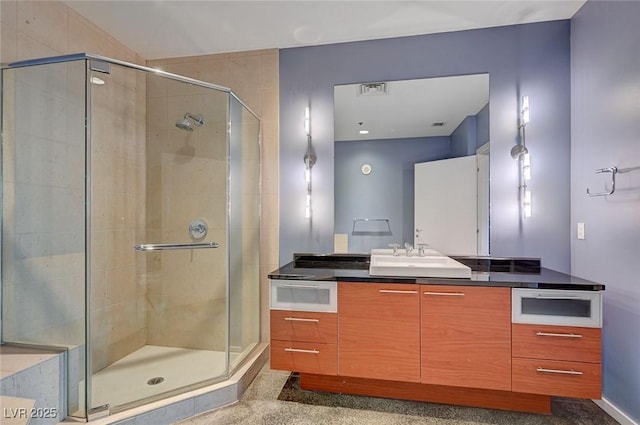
{"type": "Point", "coordinates": [482, 126]}
{"type": "Point", "coordinates": [464, 138]}
{"type": "Point", "coordinates": [378, 194]}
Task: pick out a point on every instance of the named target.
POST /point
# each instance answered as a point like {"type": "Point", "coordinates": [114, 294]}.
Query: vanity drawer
{"type": "Point", "coordinates": [557, 307]}
{"type": "Point", "coordinates": [304, 326]}
{"type": "Point", "coordinates": [558, 378]}
{"type": "Point", "coordinates": [306, 357]}
{"type": "Point", "coordinates": [304, 295]}
{"type": "Point", "coordinates": [557, 342]}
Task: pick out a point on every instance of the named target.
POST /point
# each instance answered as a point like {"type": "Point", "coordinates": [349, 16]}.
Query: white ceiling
{"type": "Point", "coordinates": [410, 107]}
{"type": "Point", "coordinates": [175, 28]}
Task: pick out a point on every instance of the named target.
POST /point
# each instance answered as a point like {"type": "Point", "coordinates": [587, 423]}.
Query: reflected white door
{"type": "Point", "coordinates": [482, 156]}
{"type": "Point", "coordinates": [445, 207]}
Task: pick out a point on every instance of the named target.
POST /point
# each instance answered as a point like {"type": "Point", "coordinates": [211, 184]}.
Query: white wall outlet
{"type": "Point", "coordinates": [580, 230]}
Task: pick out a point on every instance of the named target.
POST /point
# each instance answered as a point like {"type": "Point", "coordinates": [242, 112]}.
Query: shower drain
{"type": "Point", "coordinates": [155, 381]}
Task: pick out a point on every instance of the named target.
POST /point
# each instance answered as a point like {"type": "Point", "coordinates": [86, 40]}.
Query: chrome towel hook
{"type": "Point", "coordinates": [613, 171]}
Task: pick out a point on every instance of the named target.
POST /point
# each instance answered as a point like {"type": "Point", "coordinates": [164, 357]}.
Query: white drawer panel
{"type": "Point", "coordinates": [304, 295]}
{"type": "Point", "coordinates": [556, 307]}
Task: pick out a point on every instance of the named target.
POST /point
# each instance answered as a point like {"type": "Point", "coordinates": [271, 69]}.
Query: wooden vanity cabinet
{"type": "Point", "coordinates": [456, 344]}
{"type": "Point", "coordinates": [379, 331]}
{"type": "Point", "coordinates": [466, 336]}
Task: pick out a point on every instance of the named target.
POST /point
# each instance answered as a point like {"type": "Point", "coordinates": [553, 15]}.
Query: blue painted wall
{"type": "Point", "coordinates": [528, 59]}
{"type": "Point", "coordinates": [377, 195]}
{"type": "Point", "coordinates": [605, 132]}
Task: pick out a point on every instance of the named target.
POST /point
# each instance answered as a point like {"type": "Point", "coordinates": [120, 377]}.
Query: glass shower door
{"type": "Point", "coordinates": [244, 232]}
{"type": "Point", "coordinates": [158, 237]}
{"type": "Point", "coordinates": [43, 213]}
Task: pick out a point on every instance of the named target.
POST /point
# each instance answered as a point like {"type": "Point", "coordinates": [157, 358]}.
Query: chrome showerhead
{"type": "Point", "coordinates": [189, 119]}
{"type": "Point", "coordinates": [184, 124]}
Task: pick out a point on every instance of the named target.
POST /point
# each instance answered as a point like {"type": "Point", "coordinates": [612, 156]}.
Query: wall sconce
{"type": "Point", "coordinates": [520, 153]}
{"type": "Point", "coordinates": [525, 110]}
{"type": "Point", "coordinates": [309, 161]}
{"type": "Point", "coordinates": [526, 167]}
{"type": "Point", "coordinates": [526, 203]}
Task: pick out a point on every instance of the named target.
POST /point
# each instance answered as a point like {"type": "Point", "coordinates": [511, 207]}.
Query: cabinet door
{"type": "Point", "coordinates": [379, 331]}
{"type": "Point", "coordinates": [466, 336]}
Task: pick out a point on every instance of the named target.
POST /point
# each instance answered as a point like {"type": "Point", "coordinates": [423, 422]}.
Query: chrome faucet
{"type": "Point", "coordinates": [421, 249]}
{"type": "Point", "coordinates": [395, 247]}
{"type": "Point", "coordinates": [408, 249]}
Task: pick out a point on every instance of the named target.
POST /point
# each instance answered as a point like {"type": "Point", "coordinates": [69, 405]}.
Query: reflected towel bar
{"type": "Point", "coordinates": [174, 246]}
{"type": "Point", "coordinates": [367, 220]}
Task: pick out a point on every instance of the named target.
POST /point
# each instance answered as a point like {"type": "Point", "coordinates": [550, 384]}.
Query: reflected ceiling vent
{"type": "Point", "coordinates": [438, 124]}
{"type": "Point", "coordinates": [373, 89]}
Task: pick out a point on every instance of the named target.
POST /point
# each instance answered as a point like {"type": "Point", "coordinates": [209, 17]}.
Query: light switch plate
{"type": "Point", "coordinates": [581, 231]}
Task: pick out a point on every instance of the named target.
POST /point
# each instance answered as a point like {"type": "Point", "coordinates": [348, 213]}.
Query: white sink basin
{"type": "Point", "coordinates": [403, 252]}
{"type": "Point", "coordinates": [383, 264]}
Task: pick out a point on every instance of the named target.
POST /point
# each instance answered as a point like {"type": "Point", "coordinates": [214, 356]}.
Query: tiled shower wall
{"type": "Point", "coordinates": [33, 29]}
{"type": "Point", "coordinates": [186, 180]}
{"type": "Point", "coordinates": [253, 76]}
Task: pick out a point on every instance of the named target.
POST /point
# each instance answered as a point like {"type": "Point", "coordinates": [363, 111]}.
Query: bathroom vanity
{"type": "Point", "coordinates": [509, 337]}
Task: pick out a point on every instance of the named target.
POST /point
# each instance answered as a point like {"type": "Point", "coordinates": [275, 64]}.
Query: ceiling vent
{"type": "Point", "coordinates": [438, 124]}
{"type": "Point", "coordinates": [373, 89]}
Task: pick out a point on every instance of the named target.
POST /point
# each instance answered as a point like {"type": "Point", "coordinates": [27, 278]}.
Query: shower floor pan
{"type": "Point", "coordinates": [153, 370]}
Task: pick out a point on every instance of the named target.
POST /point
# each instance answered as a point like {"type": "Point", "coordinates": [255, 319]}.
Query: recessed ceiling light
{"type": "Point", "coordinates": [364, 131]}
{"type": "Point", "coordinates": [96, 80]}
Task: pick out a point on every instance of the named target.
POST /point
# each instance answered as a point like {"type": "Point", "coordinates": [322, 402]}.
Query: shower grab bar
{"type": "Point", "coordinates": [174, 246]}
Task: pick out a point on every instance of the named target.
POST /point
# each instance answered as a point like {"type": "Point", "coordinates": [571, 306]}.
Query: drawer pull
{"type": "Point", "coordinates": [565, 372]}
{"type": "Point", "coordinates": [396, 291]}
{"type": "Point", "coordinates": [298, 350]}
{"type": "Point", "coordinates": [556, 297]}
{"type": "Point", "coordinates": [300, 319]}
{"type": "Point", "coordinates": [446, 294]}
{"type": "Point", "coordinates": [559, 335]}
{"type": "Point", "coordinates": [300, 286]}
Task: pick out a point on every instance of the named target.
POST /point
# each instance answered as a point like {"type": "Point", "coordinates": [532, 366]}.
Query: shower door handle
{"type": "Point", "coordinates": [174, 246]}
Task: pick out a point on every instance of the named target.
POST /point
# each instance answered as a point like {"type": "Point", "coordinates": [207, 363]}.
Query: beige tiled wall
{"type": "Point", "coordinates": [34, 29]}
{"type": "Point", "coordinates": [253, 76]}
{"type": "Point", "coordinates": [118, 152]}
{"type": "Point", "coordinates": [186, 180]}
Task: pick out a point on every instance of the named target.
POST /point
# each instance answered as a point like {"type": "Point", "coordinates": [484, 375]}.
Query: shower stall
{"type": "Point", "coordinates": [130, 227]}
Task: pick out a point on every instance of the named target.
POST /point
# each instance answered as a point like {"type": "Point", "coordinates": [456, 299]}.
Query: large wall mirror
{"type": "Point", "coordinates": [411, 163]}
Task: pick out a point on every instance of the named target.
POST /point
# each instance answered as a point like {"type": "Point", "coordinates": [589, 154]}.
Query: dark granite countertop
{"type": "Point", "coordinates": [486, 271]}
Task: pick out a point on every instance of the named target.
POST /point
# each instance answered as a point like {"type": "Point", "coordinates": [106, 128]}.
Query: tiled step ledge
{"type": "Point", "coordinates": [30, 374]}
{"type": "Point", "coordinates": [14, 359]}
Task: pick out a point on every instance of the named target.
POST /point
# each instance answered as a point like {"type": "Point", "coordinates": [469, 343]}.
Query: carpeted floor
{"type": "Point", "coordinates": [276, 398]}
